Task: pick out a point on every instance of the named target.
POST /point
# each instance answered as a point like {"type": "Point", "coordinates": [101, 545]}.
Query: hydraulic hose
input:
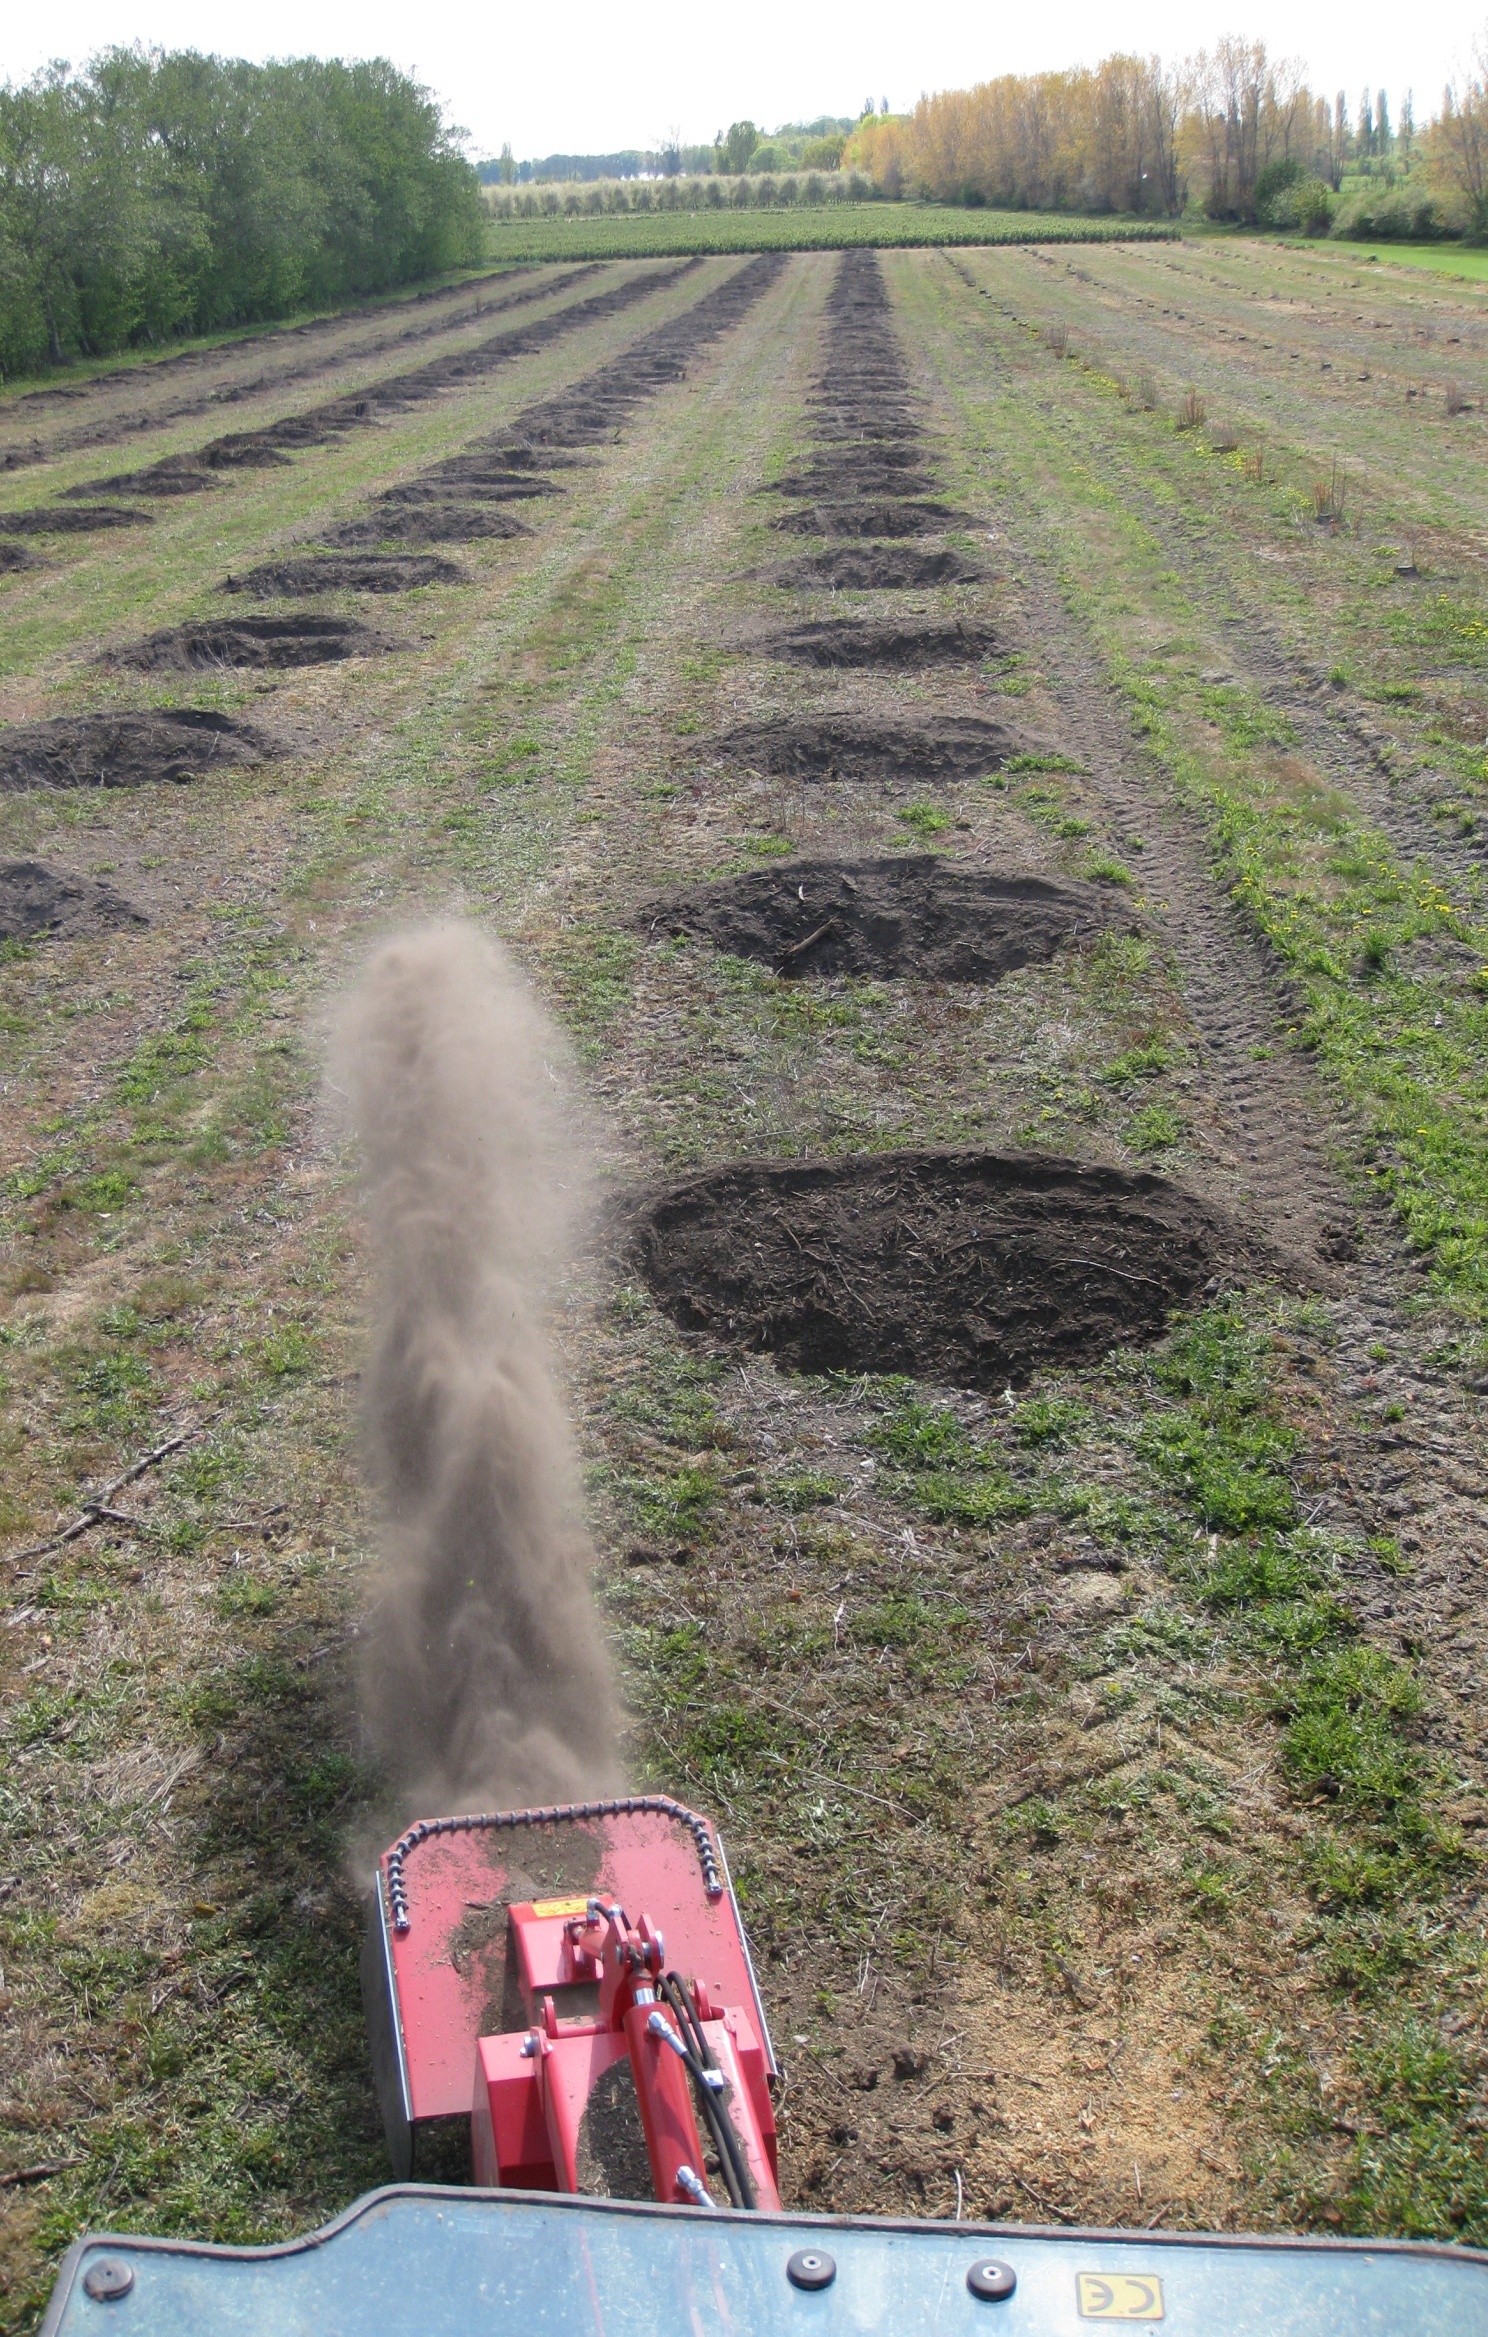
{"type": "Point", "coordinates": [711, 2091]}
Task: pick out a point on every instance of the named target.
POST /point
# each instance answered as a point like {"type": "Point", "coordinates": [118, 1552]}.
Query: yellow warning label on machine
{"type": "Point", "coordinates": [1119, 2296]}
{"type": "Point", "coordinates": [564, 1907]}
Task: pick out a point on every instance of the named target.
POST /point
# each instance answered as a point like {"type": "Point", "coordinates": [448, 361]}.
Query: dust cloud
{"type": "Point", "coordinates": [485, 1681]}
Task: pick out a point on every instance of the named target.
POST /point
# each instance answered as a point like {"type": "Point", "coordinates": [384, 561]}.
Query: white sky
{"type": "Point", "coordinates": [596, 75]}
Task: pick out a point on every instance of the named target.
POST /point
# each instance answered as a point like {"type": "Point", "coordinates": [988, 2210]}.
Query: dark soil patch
{"type": "Point", "coordinates": [37, 900]}
{"type": "Point", "coordinates": [519, 458]}
{"type": "Point", "coordinates": [835, 482]}
{"type": "Point", "coordinates": [125, 750]}
{"type": "Point", "coordinates": [918, 914]}
{"type": "Point", "coordinates": [285, 640]}
{"type": "Point", "coordinates": [952, 746]}
{"type": "Point", "coordinates": [357, 572]}
{"type": "Point", "coordinates": [870, 519]}
{"type": "Point", "coordinates": [966, 1269]}
{"type": "Point", "coordinates": [876, 568]}
{"type": "Point", "coordinates": [69, 519]}
{"type": "Point", "coordinates": [494, 487]}
{"type": "Point", "coordinates": [882, 454]}
{"type": "Point", "coordinates": [14, 557]}
{"type": "Point", "coordinates": [610, 2147]}
{"type": "Point", "coordinates": [880, 427]}
{"type": "Point", "coordinates": [167, 478]}
{"type": "Point", "coordinates": [491, 468]}
{"type": "Point", "coordinates": [901, 647]}
{"type": "Point", "coordinates": [430, 523]}
{"type": "Point", "coordinates": [246, 452]}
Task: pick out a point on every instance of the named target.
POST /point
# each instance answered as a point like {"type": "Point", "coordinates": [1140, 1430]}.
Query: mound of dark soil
{"type": "Point", "coordinates": [442, 522]}
{"type": "Point", "coordinates": [840, 482]}
{"type": "Point", "coordinates": [841, 746]}
{"type": "Point", "coordinates": [878, 426]}
{"type": "Point", "coordinates": [512, 487]}
{"type": "Point", "coordinates": [167, 478]}
{"type": "Point", "coordinates": [246, 451]}
{"type": "Point", "coordinates": [490, 468]}
{"type": "Point", "coordinates": [870, 519]}
{"type": "Point", "coordinates": [16, 556]}
{"type": "Point", "coordinates": [35, 899]}
{"type": "Point", "coordinates": [918, 914]}
{"type": "Point", "coordinates": [875, 568]}
{"type": "Point", "coordinates": [356, 572]}
{"type": "Point", "coordinates": [902, 647]}
{"type": "Point", "coordinates": [967, 1269]}
{"type": "Point", "coordinates": [125, 750]}
{"type": "Point", "coordinates": [883, 454]}
{"type": "Point", "coordinates": [71, 519]}
{"type": "Point", "coordinates": [521, 458]}
{"type": "Point", "coordinates": [285, 640]}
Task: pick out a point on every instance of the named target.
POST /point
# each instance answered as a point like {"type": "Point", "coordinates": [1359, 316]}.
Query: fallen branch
{"type": "Point", "coordinates": [38, 2174]}
{"type": "Point", "coordinates": [799, 948]}
{"type": "Point", "coordinates": [97, 1511]}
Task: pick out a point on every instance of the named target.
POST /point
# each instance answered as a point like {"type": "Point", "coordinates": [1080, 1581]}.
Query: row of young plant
{"type": "Point", "coordinates": [763, 191]}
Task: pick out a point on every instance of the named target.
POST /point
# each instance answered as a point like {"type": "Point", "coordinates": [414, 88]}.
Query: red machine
{"type": "Point", "coordinates": [575, 1982]}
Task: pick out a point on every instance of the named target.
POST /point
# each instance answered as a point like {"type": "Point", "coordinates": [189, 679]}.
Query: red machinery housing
{"type": "Point", "coordinates": [575, 1981]}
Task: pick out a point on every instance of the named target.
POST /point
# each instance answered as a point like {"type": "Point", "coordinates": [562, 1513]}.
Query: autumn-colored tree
{"type": "Point", "coordinates": [1457, 143]}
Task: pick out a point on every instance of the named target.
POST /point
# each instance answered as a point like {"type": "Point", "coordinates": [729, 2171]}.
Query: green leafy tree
{"type": "Point", "coordinates": [156, 193]}
{"type": "Point", "coordinates": [736, 149]}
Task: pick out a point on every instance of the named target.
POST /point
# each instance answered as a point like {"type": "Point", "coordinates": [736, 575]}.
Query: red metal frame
{"type": "Point", "coordinates": [514, 2008]}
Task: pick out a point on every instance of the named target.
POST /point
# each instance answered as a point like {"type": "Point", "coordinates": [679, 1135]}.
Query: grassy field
{"type": "Point", "coordinates": [1102, 1760]}
{"type": "Point", "coordinates": [1447, 259]}
{"type": "Point", "coordinates": [825, 228]}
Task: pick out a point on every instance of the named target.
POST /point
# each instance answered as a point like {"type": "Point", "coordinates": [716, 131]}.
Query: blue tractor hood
{"type": "Point", "coordinates": [417, 2260]}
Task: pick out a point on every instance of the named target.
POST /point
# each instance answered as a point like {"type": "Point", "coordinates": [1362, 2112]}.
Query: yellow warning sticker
{"type": "Point", "coordinates": [1119, 2296]}
{"type": "Point", "coordinates": [564, 1907]}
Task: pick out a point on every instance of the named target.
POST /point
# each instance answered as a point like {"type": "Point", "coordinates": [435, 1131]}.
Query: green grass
{"type": "Point", "coordinates": [1446, 259]}
{"type": "Point", "coordinates": [831, 227]}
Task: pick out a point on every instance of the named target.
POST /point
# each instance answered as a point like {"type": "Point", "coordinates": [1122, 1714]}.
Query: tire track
{"type": "Point", "coordinates": [1423, 1474]}
{"type": "Point", "coordinates": [1367, 764]}
{"type": "Point", "coordinates": [1236, 1000]}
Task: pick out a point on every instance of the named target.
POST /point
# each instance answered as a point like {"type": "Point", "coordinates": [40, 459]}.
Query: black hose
{"type": "Point", "coordinates": [733, 2159]}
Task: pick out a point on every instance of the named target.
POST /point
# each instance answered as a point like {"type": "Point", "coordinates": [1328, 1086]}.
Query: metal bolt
{"type": "Point", "coordinates": [811, 2268]}
{"type": "Point", "coordinates": [108, 2280]}
{"type": "Point", "coordinates": [992, 2280]}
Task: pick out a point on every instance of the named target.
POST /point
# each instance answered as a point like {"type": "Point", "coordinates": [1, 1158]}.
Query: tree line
{"type": "Point", "coordinates": [743, 149]}
{"type": "Point", "coordinates": [1232, 132]}
{"type": "Point", "coordinates": [156, 194]}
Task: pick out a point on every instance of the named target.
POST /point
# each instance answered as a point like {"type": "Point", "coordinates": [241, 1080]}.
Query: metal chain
{"type": "Point", "coordinates": [556, 1814]}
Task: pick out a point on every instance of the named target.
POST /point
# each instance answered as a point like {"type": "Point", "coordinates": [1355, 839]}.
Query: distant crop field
{"type": "Point", "coordinates": [831, 227]}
